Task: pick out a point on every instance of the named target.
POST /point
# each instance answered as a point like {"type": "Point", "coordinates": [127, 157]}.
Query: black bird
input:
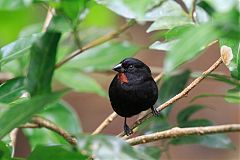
{"type": "Point", "coordinates": [132, 90]}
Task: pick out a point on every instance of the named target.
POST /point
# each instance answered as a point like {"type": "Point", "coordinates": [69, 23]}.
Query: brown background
{"type": "Point", "coordinates": [92, 109]}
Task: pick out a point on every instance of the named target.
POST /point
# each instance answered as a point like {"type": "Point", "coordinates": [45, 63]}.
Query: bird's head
{"type": "Point", "coordinates": [132, 68]}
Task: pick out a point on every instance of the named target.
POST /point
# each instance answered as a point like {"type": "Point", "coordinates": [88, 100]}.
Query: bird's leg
{"type": "Point", "coordinates": [154, 111]}
{"type": "Point", "coordinates": [127, 129]}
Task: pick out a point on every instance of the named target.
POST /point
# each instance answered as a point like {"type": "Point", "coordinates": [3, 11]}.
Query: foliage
{"type": "Point", "coordinates": [30, 55]}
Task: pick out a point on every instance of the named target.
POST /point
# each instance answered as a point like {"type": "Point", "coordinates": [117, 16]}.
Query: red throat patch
{"type": "Point", "coordinates": [122, 77]}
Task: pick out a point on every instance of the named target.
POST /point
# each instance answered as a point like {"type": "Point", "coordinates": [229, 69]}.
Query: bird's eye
{"type": "Point", "coordinates": [130, 67]}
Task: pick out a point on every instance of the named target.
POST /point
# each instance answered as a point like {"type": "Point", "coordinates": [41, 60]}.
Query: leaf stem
{"type": "Point", "coordinates": [76, 37]}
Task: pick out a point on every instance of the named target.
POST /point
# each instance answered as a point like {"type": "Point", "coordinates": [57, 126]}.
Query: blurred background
{"type": "Point", "coordinates": [92, 109]}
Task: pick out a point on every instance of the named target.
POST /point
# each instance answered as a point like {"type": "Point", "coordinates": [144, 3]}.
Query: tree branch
{"type": "Point", "coordinates": [105, 123]}
{"type": "Point", "coordinates": [30, 125]}
{"type": "Point", "coordinates": [39, 122]}
{"type": "Point", "coordinates": [97, 42]}
{"type": "Point", "coordinates": [178, 96]}
{"type": "Point", "coordinates": [180, 132]}
{"type": "Point", "coordinates": [48, 19]}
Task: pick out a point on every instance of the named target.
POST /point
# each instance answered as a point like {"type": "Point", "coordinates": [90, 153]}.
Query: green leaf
{"type": "Point", "coordinates": [11, 90]}
{"type": "Point", "coordinates": [21, 112]}
{"type": "Point", "coordinates": [196, 39]}
{"type": "Point", "coordinates": [196, 123]}
{"type": "Point", "coordinates": [59, 23]}
{"type": "Point", "coordinates": [144, 10]}
{"type": "Point", "coordinates": [225, 79]}
{"type": "Point", "coordinates": [16, 4]}
{"type": "Point", "coordinates": [118, 7]}
{"type": "Point", "coordinates": [234, 65]}
{"type": "Point", "coordinates": [17, 48]}
{"type": "Point", "coordinates": [141, 7]}
{"type": "Point", "coordinates": [153, 152]}
{"type": "Point", "coordinates": [176, 32]}
{"type": "Point", "coordinates": [5, 153]}
{"type": "Point", "coordinates": [169, 22]}
{"type": "Point", "coordinates": [110, 147]}
{"type": "Point", "coordinates": [228, 24]}
{"type": "Point", "coordinates": [185, 114]}
{"type": "Point", "coordinates": [201, 15]}
{"type": "Point", "coordinates": [78, 81]}
{"type": "Point", "coordinates": [55, 152]}
{"type": "Point", "coordinates": [164, 46]}
{"type": "Point", "coordinates": [170, 15]}
{"type": "Point", "coordinates": [154, 124]}
{"type": "Point", "coordinates": [73, 8]}
{"type": "Point", "coordinates": [211, 141]}
{"type": "Point", "coordinates": [221, 5]}
{"type": "Point", "coordinates": [17, 158]}
{"type": "Point", "coordinates": [206, 7]}
{"type": "Point", "coordinates": [129, 8]}
{"type": "Point", "coordinates": [233, 96]}
{"type": "Point", "coordinates": [42, 63]}
{"type": "Point", "coordinates": [170, 87]}
{"type": "Point", "coordinates": [103, 57]}
{"type": "Point", "coordinates": [61, 114]}
{"type": "Point", "coordinates": [106, 17]}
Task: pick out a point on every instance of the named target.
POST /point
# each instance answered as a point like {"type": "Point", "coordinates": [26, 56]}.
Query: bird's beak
{"type": "Point", "coordinates": [118, 68]}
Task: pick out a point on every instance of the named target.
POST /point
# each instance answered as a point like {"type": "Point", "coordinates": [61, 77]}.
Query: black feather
{"type": "Point", "coordinates": [139, 94]}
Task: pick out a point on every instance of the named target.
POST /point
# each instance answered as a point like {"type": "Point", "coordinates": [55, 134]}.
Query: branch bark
{"type": "Point", "coordinates": [178, 96]}
{"type": "Point", "coordinates": [39, 122]}
{"type": "Point", "coordinates": [180, 132]}
{"type": "Point", "coordinates": [97, 42]}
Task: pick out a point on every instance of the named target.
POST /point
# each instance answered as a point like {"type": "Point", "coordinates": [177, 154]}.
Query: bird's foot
{"type": "Point", "coordinates": [154, 111]}
{"type": "Point", "coordinates": [127, 130]}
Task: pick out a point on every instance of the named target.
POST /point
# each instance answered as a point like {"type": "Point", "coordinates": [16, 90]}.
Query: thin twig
{"type": "Point", "coordinates": [178, 96]}
{"type": "Point", "coordinates": [105, 123]}
{"type": "Point", "coordinates": [48, 19]}
{"type": "Point", "coordinates": [76, 37]}
{"type": "Point", "coordinates": [193, 12]}
{"type": "Point", "coordinates": [39, 122]}
{"type": "Point", "coordinates": [112, 116]}
{"type": "Point", "coordinates": [13, 138]}
{"type": "Point", "coordinates": [30, 125]}
{"type": "Point", "coordinates": [97, 42]}
{"type": "Point", "coordinates": [158, 77]}
{"type": "Point", "coordinates": [183, 5]}
{"type": "Point", "coordinates": [180, 132]}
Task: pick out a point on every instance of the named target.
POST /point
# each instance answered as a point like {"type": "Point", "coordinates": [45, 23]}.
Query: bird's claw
{"type": "Point", "coordinates": [154, 111]}
{"type": "Point", "coordinates": [127, 130]}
